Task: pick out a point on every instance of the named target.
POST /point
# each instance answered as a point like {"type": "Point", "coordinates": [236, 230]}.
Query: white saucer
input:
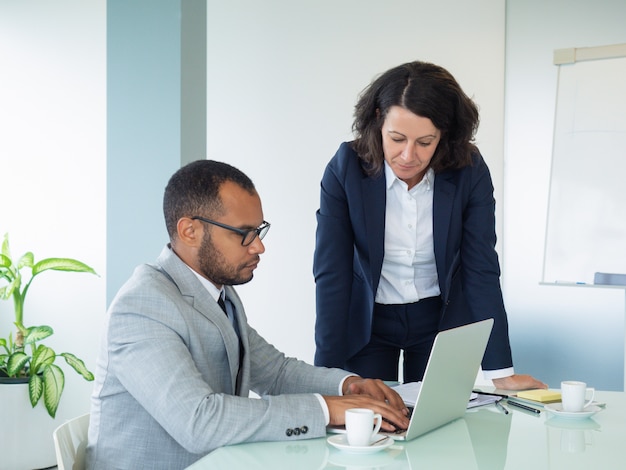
{"type": "Point", "coordinates": [557, 410]}
{"type": "Point", "coordinates": [340, 441]}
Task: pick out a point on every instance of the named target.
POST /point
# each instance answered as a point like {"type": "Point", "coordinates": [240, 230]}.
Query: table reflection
{"type": "Point", "coordinates": [571, 442]}
{"type": "Point", "coordinates": [303, 455]}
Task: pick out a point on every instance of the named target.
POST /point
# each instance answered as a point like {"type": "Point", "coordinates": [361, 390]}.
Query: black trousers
{"type": "Point", "coordinates": [410, 328]}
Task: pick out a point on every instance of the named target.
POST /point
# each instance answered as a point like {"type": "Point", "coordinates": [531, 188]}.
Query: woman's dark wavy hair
{"type": "Point", "coordinates": [429, 91]}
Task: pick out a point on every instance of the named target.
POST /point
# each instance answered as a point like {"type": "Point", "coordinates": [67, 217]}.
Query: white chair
{"type": "Point", "coordinates": [70, 442]}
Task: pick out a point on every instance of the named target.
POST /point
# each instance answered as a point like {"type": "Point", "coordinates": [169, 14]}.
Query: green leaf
{"type": "Point", "coordinates": [27, 259]}
{"type": "Point", "coordinates": [35, 389]}
{"type": "Point", "coordinates": [7, 291]}
{"type": "Point", "coordinates": [5, 261]}
{"type": "Point", "coordinates": [37, 333]}
{"type": "Point", "coordinates": [54, 381]}
{"type": "Point", "coordinates": [16, 363]}
{"type": "Point", "coordinates": [78, 365]}
{"type": "Point", "coordinates": [42, 357]}
{"type": "Point", "coordinates": [5, 246]}
{"type": "Point", "coordinates": [61, 264]}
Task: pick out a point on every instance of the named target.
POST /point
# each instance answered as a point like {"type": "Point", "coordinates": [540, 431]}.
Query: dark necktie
{"type": "Point", "coordinates": [221, 303]}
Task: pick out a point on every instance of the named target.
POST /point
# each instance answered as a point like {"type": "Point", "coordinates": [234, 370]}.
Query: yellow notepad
{"type": "Point", "coordinates": [540, 395]}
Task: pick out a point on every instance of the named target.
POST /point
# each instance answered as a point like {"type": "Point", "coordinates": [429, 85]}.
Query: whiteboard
{"type": "Point", "coordinates": [586, 223]}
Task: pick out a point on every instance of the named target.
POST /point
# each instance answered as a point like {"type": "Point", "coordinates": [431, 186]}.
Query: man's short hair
{"type": "Point", "coordinates": [194, 191]}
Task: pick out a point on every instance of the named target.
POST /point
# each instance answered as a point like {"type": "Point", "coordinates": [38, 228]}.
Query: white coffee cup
{"type": "Point", "coordinates": [573, 395]}
{"type": "Point", "coordinates": [360, 427]}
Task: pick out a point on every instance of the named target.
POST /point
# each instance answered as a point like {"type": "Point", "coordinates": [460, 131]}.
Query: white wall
{"type": "Point", "coordinates": [558, 333]}
{"type": "Point", "coordinates": [280, 103]}
{"type": "Point", "coordinates": [283, 78]}
{"type": "Point", "coordinates": [282, 85]}
{"type": "Point", "coordinates": [52, 167]}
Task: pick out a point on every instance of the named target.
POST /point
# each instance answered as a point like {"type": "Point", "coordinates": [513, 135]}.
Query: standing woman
{"type": "Point", "coordinates": [405, 243]}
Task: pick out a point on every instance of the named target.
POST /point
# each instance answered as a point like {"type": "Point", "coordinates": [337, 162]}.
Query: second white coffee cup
{"type": "Point", "coordinates": [573, 395]}
{"type": "Point", "coordinates": [362, 425]}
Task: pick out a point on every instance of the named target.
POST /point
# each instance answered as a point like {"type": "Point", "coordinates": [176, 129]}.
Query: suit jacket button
{"type": "Point", "coordinates": [304, 429]}
{"type": "Point", "coordinates": [289, 432]}
{"type": "Point", "coordinates": [296, 432]}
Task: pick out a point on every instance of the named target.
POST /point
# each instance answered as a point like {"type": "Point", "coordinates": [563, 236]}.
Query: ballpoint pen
{"type": "Point", "coordinates": [490, 394]}
{"type": "Point", "coordinates": [501, 406]}
{"type": "Point", "coordinates": [523, 407]}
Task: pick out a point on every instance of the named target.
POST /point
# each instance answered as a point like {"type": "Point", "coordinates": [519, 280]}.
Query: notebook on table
{"type": "Point", "coordinates": [449, 378]}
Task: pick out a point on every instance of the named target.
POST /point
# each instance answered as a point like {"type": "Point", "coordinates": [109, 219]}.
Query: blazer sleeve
{"type": "Point", "coordinates": [343, 290]}
{"type": "Point", "coordinates": [473, 286]}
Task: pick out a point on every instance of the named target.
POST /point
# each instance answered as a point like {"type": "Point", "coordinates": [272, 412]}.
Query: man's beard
{"type": "Point", "coordinates": [215, 268]}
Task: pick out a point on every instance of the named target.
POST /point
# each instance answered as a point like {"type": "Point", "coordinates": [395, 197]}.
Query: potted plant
{"type": "Point", "coordinates": [23, 358]}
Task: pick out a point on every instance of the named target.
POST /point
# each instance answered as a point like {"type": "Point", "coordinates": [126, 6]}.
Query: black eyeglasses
{"type": "Point", "coordinates": [247, 236]}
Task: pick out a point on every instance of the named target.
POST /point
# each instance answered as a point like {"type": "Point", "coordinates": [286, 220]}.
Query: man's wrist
{"type": "Point", "coordinates": [345, 383]}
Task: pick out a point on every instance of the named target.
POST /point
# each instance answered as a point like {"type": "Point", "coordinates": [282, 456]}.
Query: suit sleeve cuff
{"type": "Point", "coordinates": [323, 402]}
{"type": "Point", "coordinates": [498, 373]}
{"type": "Point", "coordinates": [340, 392]}
{"type": "Point", "coordinates": [324, 408]}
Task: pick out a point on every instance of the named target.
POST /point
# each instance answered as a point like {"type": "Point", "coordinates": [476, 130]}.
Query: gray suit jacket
{"type": "Point", "coordinates": [164, 392]}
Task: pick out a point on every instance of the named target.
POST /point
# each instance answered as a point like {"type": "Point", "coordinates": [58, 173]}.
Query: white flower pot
{"type": "Point", "coordinates": [25, 432]}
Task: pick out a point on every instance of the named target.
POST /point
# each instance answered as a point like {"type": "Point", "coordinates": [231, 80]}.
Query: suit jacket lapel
{"type": "Point", "coordinates": [374, 197]}
{"type": "Point", "coordinates": [200, 299]}
{"type": "Point", "coordinates": [443, 200]}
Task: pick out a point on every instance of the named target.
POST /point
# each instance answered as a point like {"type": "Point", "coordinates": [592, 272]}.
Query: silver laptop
{"type": "Point", "coordinates": [448, 380]}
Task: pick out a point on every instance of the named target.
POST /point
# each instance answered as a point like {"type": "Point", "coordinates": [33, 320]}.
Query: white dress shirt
{"type": "Point", "coordinates": [409, 272]}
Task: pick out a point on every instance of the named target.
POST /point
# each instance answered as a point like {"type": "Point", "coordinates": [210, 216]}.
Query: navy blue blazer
{"type": "Point", "coordinates": [349, 255]}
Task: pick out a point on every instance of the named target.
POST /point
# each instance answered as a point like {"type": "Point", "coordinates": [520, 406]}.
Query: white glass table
{"type": "Point", "coordinates": [485, 438]}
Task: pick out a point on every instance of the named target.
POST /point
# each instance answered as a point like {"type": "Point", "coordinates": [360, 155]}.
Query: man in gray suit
{"type": "Point", "coordinates": [175, 370]}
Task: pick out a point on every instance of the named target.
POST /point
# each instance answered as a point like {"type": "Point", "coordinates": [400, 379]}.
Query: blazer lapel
{"type": "Point", "coordinates": [206, 305]}
{"type": "Point", "coordinates": [200, 299]}
{"type": "Point", "coordinates": [443, 200]}
{"type": "Point", "coordinates": [374, 197]}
